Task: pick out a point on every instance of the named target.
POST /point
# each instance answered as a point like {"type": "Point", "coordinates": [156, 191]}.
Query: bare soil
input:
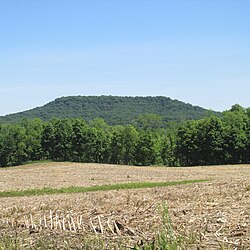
{"type": "Point", "coordinates": [211, 215]}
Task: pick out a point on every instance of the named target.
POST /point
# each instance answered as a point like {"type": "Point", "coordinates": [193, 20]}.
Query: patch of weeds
{"type": "Point", "coordinates": [167, 238]}
{"type": "Point", "coordinates": [209, 199]}
{"type": "Point", "coordinates": [52, 243]}
{"type": "Point", "coordinates": [8, 243]}
{"type": "Point", "coordinates": [36, 162]}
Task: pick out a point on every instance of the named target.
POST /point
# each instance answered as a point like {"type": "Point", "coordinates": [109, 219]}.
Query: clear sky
{"type": "Point", "coordinates": [196, 51]}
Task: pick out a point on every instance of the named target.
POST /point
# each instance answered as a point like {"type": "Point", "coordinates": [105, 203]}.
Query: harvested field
{"type": "Point", "coordinates": [209, 215]}
{"type": "Point", "coordinates": [57, 175]}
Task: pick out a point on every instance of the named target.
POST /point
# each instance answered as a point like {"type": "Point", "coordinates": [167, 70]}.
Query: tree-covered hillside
{"type": "Point", "coordinates": [113, 109]}
{"type": "Point", "coordinates": [208, 141]}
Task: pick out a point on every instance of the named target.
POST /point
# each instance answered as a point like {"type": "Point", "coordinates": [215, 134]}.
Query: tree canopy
{"type": "Point", "coordinates": [208, 141]}
{"type": "Point", "coordinates": [115, 110]}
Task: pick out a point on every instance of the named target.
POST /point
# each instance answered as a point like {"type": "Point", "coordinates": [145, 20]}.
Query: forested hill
{"type": "Point", "coordinates": [113, 109]}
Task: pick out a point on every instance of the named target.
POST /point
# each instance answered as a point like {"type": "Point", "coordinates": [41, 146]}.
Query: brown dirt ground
{"type": "Point", "coordinates": [215, 213]}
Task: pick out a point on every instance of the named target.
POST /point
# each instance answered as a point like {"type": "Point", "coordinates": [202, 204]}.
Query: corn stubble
{"type": "Point", "coordinates": [209, 215]}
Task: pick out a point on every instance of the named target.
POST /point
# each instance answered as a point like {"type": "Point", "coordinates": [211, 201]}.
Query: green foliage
{"type": "Point", "coordinates": [129, 138]}
{"type": "Point", "coordinates": [7, 242]}
{"type": "Point", "coordinates": [186, 144]}
{"type": "Point", "coordinates": [236, 136]}
{"type": "Point", "coordinates": [166, 238]}
{"type": "Point", "coordinates": [145, 150]}
{"type": "Point", "coordinates": [214, 140]}
{"type": "Point", "coordinates": [79, 132]}
{"type": "Point", "coordinates": [144, 111]}
{"type": "Point", "coordinates": [122, 145]}
{"type": "Point", "coordinates": [32, 141]}
{"type": "Point", "coordinates": [119, 186]}
{"type": "Point", "coordinates": [149, 122]}
{"type": "Point", "coordinates": [168, 149]}
{"type": "Point", "coordinates": [211, 141]}
{"type": "Point", "coordinates": [208, 141]}
{"type": "Point", "coordinates": [12, 145]}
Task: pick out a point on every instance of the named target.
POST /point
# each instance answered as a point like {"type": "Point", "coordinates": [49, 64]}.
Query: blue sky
{"type": "Point", "coordinates": [191, 50]}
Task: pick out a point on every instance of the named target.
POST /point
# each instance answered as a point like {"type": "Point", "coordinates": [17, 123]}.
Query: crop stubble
{"type": "Point", "coordinates": [216, 213]}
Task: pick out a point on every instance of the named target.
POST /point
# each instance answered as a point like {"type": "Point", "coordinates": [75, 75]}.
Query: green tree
{"type": "Point", "coordinates": [33, 134]}
{"type": "Point", "coordinates": [149, 122]}
{"type": "Point", "coordinates": [117, 145]}
{"type": "Point", "coordinates": [168, 146]}
{"type": "Point", "coordinates": [235, 138]}
{"type": "Point", "coordinates": [96, 143]}
{"type": "Point", "coordinates": [145, 149]}
{"type": "Point", "coordinates": [210, 141]}
{"type": "Point", "coordinates": [62, 140]}
{"type": "Point", "coordinates": [47, 140]}
{"type": "Point", "coordinates": [13, 148]}
{"type": "Point", "coordinates": [187, 148]}
{"type": "Point", "coordinates": [78, 138]}
{"type": "Point", "coordinates": [56, 140]}
{"type": "Point", "coordinates": [129, 140]}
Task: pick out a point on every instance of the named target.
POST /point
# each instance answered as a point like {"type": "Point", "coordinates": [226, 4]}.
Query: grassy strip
{"type": "Point", "coordinates": [119, 186]}
{"type": "Point", "coordinates": [36, 162]}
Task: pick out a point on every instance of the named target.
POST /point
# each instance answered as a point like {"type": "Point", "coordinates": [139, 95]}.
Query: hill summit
{"type": "Point", "coordinates": [115, 110]}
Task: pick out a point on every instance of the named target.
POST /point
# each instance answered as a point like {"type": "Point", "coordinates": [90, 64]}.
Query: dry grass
{"type": "Point", "coordinates": [216, 214]}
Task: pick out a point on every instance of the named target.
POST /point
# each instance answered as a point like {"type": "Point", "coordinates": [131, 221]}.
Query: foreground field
{"type": "Point", "coordinates": [208, 215]}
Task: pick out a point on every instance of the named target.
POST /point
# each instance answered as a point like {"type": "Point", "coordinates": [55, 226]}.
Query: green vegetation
{"type": "Point", "coordinates": [211, 140]}
{"type": "Point", "coordinates": [214, 141]}
{"type": "Point", "coordinates": [39, 161]}
{"type": "Point", "coordinates": [166, 238]}
{"type": "Point", "coordinates": [114, 110]}
{"type": "Point", "coordinates": [119, 186]}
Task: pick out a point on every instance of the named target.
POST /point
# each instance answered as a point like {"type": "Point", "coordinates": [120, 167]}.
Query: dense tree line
{"type": "Point", "coordinates": [208, 141]}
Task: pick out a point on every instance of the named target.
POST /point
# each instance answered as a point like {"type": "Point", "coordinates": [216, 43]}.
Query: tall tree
{"type": "Point", "coordinates": [129, 140]}
{"type": "Point", "coordinates": [145, 153]}
{"type": "Point", "coordinates": [33, 134]}
{"type": "Point", "coordinates": [78, 138]}
{"type": "Point", "coordinates": [235, 139]}
{"type": "Point", "coordinates": [187, 149]}
{"type": "Point", "coordinates": [117, 145]}
{"type": "Point", "coordinates": [13, 148]}
{"type": "Point", "coordinates": [210, 141]}
{"type": "Point", "coordinates": [168, 147]}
